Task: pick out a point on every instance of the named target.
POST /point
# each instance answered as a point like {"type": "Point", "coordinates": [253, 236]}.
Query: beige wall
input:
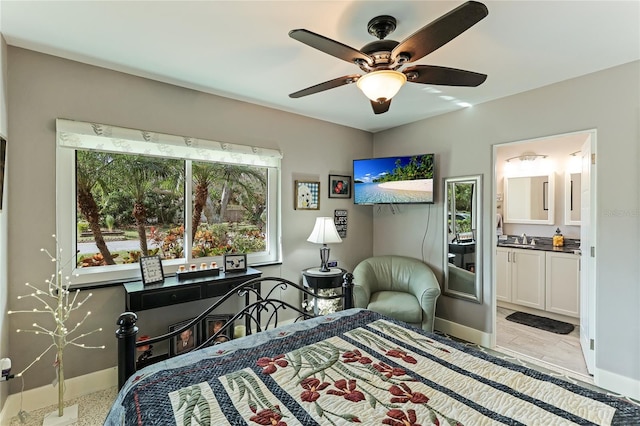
{"type": "Point", "coordinates": [43, 88]}
{"type": "Point", "coordinates": [608, 101]}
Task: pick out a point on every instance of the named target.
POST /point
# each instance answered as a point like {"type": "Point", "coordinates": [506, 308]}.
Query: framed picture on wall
{"type": "Point", "coordinates": [339, 186]}
{"type": "Point", "coordinates": [307, 196]}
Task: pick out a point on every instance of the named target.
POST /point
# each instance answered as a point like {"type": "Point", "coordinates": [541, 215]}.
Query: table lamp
{"type": "Point", "coordinates": [324, 232]}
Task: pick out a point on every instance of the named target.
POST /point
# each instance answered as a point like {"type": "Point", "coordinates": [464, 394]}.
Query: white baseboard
{"type": "Point", "coordinates": [34, 399]}
{"type": "Point", "coordinates": [463, 332]}
{"type": "Point", "coordinates": [616, 383]}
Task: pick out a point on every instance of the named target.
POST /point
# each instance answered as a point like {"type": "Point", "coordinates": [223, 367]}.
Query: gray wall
{"type": "Point", "coordinates": [608, 101]}
{"type": "Point", "coordinates": [43, 88]}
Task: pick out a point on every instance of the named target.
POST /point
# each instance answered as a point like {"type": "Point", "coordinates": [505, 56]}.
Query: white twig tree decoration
{"type": "Point", "coordinates": [60, 302]}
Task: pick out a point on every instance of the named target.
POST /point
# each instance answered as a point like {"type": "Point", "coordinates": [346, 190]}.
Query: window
{"type": "Point", "coordinates": [121, 195]}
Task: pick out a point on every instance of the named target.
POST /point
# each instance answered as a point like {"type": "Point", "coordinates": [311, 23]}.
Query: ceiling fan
{"type": "Point", "coordinates": [381, 59]}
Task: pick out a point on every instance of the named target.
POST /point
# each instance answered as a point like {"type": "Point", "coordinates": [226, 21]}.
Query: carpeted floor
{"type": "Point", "coordinates": [92, 409]}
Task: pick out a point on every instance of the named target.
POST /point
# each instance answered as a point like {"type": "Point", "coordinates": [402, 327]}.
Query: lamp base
{"type": "Point", "coordinates": [324, 258]}
{"type": "Point", "coordinates": [69, 417]}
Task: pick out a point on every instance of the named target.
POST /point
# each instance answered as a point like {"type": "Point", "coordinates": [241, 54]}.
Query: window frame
{"type": "Point", "coordinates": [73, 135]}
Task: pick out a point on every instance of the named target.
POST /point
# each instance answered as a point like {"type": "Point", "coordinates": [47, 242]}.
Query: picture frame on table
{"type": "Point", "coordinates": [307, 195]}
{"type": "Point", "coordinates": [212, 323]}
{"type": "Point", "coordinates": [151, 268]}
{"type": "Point", "coordinates": [236, 262]}
{"type": "Point", "coordinates": [186, 341]}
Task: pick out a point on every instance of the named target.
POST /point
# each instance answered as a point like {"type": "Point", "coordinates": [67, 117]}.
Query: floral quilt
{"type": "Point", "coordinates": [355, 367]}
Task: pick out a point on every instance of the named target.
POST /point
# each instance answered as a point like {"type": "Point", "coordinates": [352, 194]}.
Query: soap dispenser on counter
{"type": "Point", "coordinates": [558, 238]}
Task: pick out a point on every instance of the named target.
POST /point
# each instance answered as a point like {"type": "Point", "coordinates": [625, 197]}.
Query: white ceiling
{"type": "Point", "coordinates": [241, 49]}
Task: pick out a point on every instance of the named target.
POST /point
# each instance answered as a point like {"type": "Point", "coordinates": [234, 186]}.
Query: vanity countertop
{"type": "Point", "coordinates": [541, 243]}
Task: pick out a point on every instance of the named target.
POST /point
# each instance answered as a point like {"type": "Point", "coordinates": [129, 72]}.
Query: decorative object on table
{"type": "Point", "coordinates": [339, 186]}
{"type": "Point", "coordinates": [307, 196]}
{"type": "Point", "coordinates": [340, 220]}
{"type": "Point", "coordinates": [208, 271]}
{"type": "Point", "coordinates": [239, 331]}
{"type": "Point", "coordinates": [558, 238]}
{"type": "Point", "coordinates": [324, 232]}
{"type": "Point", "coordinates": [60, 303]}
{"type": "Point", "coordinates": [151, 268]}
{"type": "Point", "coordinates": [465, 237]}
{"type": "Point", "coordinates": [235, 262]}
{"type": "Point", "coordinates": [213, 324]}
{"type": "Point", "coordinates": [187, 340]}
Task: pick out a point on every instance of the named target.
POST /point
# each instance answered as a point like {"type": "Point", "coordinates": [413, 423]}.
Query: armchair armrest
{"type": "Point", "coordinates": [361, 292]}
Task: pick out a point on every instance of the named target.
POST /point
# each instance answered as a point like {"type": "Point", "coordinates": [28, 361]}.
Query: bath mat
{"type": "Point", "coordinates": [542, 323]}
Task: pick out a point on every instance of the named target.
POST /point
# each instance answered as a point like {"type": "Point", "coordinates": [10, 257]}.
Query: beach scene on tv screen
{"type": "Point", "coordinates": [406, 179]}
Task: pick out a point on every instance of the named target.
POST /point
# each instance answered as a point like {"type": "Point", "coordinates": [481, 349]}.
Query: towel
{"type": "Point", "coordinates": [498, 224]}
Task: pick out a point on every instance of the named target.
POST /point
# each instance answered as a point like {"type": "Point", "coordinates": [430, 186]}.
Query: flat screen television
{"type": "Point", "coordinates": [394, 180]}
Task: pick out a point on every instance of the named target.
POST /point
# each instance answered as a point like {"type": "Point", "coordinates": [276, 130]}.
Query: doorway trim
{"type": "Point", "coordinates": [590, 134]}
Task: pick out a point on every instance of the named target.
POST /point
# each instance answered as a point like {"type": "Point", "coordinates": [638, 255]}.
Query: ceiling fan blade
{"type": "Point", "coordinates": [431, 74]}
{"type": "Point", "coordinates": [331, 47]}
{"type": "Point", "coordinates": [441, 31]}
{"type": "Point", "coordinates": [380, 107]}
{"type": "Point", "coordinates": [331, 84]}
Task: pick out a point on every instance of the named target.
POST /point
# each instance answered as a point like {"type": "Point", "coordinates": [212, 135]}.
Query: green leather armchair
{"type": "Point", "coordinates": [401, 287]}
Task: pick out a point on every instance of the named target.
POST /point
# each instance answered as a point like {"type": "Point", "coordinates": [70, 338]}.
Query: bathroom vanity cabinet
{"type": "Point", "coordinates": [521, 277]}
{"type": "Point", "coordinates": [542, 280]}
{"type": "Point", "coordinates": [563, 284]}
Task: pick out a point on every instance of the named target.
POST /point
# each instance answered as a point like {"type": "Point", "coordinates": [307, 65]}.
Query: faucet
{"type": "Point", "coordinates": [524, 238]}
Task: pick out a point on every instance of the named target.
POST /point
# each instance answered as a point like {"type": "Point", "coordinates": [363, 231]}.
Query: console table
{"type": "Point", "coordinates": [140, 297]}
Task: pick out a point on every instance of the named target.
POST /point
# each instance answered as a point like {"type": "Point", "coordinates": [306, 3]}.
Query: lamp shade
{"type": "Point", "coordinates": [324, 232]}
{"type": "Point", "coordinates": [381, 85]}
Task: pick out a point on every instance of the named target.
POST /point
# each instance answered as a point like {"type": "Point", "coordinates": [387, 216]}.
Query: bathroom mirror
{"type": "Point", "coordinates": [463, 237]}
{"type": "Point", "coordinates": [572, 198]}
{"type": "Point", "coordinates": [529, 199]}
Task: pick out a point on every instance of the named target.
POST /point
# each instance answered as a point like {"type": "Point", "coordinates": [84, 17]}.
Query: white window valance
{"type": "Point", "coordinates": [102, 137]}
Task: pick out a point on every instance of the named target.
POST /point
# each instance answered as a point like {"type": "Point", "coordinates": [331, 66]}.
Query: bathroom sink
{"type": "Point", "coordinates": [517, 245]}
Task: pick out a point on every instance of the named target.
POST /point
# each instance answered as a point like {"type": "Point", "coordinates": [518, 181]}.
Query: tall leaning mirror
{"type": "Point", "coordinates": [463, 237]}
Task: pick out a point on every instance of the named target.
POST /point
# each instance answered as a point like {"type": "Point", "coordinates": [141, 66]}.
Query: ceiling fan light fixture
{"type": "Point", "coordinates": [381, 85]}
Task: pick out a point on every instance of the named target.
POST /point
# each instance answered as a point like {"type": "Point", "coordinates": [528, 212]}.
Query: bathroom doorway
{"type": "Point", "coordinates": [566, 199]}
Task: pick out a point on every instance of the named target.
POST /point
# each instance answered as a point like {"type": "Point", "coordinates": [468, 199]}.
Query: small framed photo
{"type": "Point", "coordinates": [235, 262]}
{"type": "Point", "coordinates": [307, 196]}
{"type": "Point", "coordinates": [151, 267]}
{"type": "Point", "coordinates": [186, 341]}
{"type": "Point", "coordinates": [339, 186]}
{"type": "Point", "coordinates": [212, 324]}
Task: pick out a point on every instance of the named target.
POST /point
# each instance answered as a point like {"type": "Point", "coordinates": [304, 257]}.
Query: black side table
{"type": "Point", "coordinates": [317, 280]}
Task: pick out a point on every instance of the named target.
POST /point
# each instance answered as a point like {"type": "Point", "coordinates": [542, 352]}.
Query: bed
{"type": "Point", "coordinates": [355, 366]}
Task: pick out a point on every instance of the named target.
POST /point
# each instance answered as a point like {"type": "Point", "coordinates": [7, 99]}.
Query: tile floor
{"type": "Point", "coordinates": [562, 350]}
